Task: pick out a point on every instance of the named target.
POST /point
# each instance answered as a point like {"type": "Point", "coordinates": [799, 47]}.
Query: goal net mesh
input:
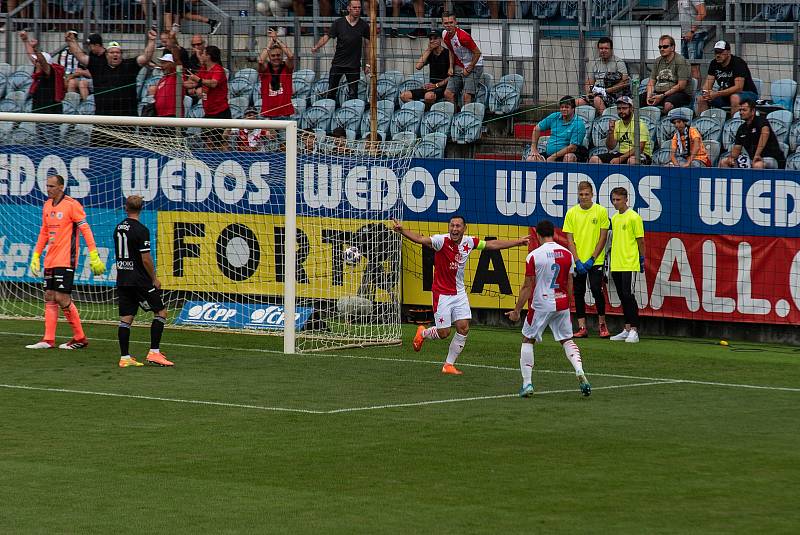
{"type": "Point", "coordinates": [214, 201]}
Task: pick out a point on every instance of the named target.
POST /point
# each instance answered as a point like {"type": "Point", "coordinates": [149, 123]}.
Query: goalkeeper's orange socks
{"type": "Point", "coordinates": [50, 321]}
{"type": "Point", "coordinates": [74, 319]}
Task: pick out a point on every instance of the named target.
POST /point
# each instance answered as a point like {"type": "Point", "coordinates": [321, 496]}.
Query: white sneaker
{"type": "Point", "coordinates": [621, 336]}
{"type": "Point", "coordinates": [633, 337]}
{"type": "Point", "coordinates": [40, 345]}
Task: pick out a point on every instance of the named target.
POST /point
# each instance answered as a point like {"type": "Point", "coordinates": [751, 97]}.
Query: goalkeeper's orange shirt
{"type": "Point", "coordinates": [61, 223]}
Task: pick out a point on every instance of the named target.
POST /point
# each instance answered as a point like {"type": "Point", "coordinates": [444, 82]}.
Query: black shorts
{"type": "Point", "coordinates": [419, 94]}
{"type": "Point", "coordinates": [606, 157]}
{"type": "Point", "coordinates": [215, 135]}
{"type": "Point", "coordinates": [132, 298]}
{"type": "Point", "coordinates": [59, 279]}
{"type": "Point", "coordinates": [581, 154]}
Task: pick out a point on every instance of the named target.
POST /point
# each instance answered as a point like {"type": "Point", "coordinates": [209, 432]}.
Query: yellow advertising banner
{"type": "Point", "coordinates": [244, 254]}
{"type": "Point", "coordinates": [492, 278]}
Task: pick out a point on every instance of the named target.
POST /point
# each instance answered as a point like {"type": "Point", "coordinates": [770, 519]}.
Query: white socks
{"type": "Point", "coordinates": [430, 333]}
{"type": "Point", "coordinates": [526, 363]}
{"type": "Point", "coordinates": [574, 356]}
{"type": "Point", "coordinates": [456, 346]}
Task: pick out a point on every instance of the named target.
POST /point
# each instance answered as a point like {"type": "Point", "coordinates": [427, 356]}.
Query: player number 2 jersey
{"type": "Point", "coordinates": [551, 265]}
{"type": "Point", "coordinates": [449, 262]}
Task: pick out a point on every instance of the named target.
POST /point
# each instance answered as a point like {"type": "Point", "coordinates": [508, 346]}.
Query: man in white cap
{"type": "Point", "coordinates": [733, 78]}
{"type": "Point", "coordinates": [165, 91]}
{"type": "Point", "coordinates": [47, 89]}
{"type": "Point", "coordinates": [114, 78]}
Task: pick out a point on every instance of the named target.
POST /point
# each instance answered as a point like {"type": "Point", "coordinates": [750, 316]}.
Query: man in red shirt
{"type": "Point", "coordinates": [450, 302]}
{"type": "Point", "coordinates": [164, 92]}
{"type": "Point", "coordinates": [466, 61]}
{"type": "Point", "coordinates": [62, 218]}
{"type": "Point", "coordinates": [213, 82]}
{"type": "Point", "coordinates": [276, 79]}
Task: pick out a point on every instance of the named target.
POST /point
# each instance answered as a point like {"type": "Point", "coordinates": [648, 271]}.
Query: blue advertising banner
{"type": "Point", "coordinates": [239, 316]}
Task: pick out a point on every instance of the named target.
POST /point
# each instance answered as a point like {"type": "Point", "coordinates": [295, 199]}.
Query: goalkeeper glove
{"type": "Point", "coordinates": [589, 263]}
{"type": "Point", "coordinates": [641, 264]}
{"type": "Point", "coordinates": [580, 267]}
{"type": "Point", "coordinates": [36, 265]}
{"type": "Point", "coordinates": [97, 265]}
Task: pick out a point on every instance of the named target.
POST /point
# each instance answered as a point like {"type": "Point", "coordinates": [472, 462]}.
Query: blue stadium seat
{"type": "Point", "coordinates": [431, 146]}
{"type": "Point", "coordinates": [5, 129]}
{"type": "Point", "coordinates": [598, 150]}
{"type": "Point", "coordinates": [541, 145]}
{"type": "Point", "coordinates": [713, 148]}
{"type": "Point", "coordinates": [319, 115]}
{"type": "Point", "coordinates": [710, 128]}
{"type": "Point", "coordinates": [587, 113]}
{"type": "Point", "coordinates": [777, 12]}
{"type": "Point", "coordinates": [24, 134]}
{"type": "Point", "coordinates": [543, 9]}
{"type": "Point", "coordinates": [569, 10]}
{"type": "Point", "coordinates": [600, 129]}
{"type": "Point", "coordinates": [8, 105]}
{"type": "Point", "coordinates": [783, 92]}
{"type": "Point", "coordinates": [651, 112]}
{"type": "Point", "coordinates": [409, 138]}
{"type": "Point", "coordinates": [239, 87]}
{"type": "Point", "coordinates": [299, 108]}
{"type": "Point", "coordinates": [484, 88]}
{"type": "Point", "coordinates": [661, 156]}
{"type": "Point", "coordinates": [3, 83]}
{"type": "Point", "coordinates": [468, 123]}
{"type": "Point", "coordinates": [652, 129]}
{"type": "Point", "coordinates": [197, 111]}
{"type": "Point", "coordinates": [87, 107]}
{"type": "Point", "coordinates": [5, 68]}
{"type": "Point", "coordinates": [385, 114]}
{"type": "Point", "coordinates": [781, 122]}
{"type": "Point", "coordinates": [389, 85]}
{"type": "Point", "coordinates": [349, 115]}
{"type": "Point", "coordinates": [729, 132]}
{"type": "Point", "coordinates": [717, 114]}
{"type": "Point", "coordinates": [438, 119]}
{"type": "Point", "coordinates": [412, 83]}
{"type": "Point", "coordinates": [247, 74]}
{"type": "Point", "coordinates": [303, 83]}
{"type": "Point", "coordinates": [665, 131]}
{"type": "Point", "coordinates": [21, 99]}
{"type": "Point", "coordinates": [407, 118]}
{"type": "Point", "coordinates": [319, 90]}
{"type": "Point", "coordinates": [19, 80]}
{"type": "Point", "coordinates": [505, 97]}
{"type": "Point", "coordinates": [794, 136]}
{"type": "Point", "coordinates": [793, 162]}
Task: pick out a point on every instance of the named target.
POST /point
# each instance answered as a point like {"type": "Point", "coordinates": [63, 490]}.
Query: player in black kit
{"type": "Point", "coordinates": [137, 285]}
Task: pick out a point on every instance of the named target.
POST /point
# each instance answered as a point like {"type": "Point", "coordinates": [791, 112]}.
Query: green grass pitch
{"type": "Point", "coordinates": [679, 436]}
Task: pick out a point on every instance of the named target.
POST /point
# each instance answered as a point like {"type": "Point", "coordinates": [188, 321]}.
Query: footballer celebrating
{"type": "Point", "coordinates": [450, 302]}
{"type": "Point", "coordinates": [62, 218]}
{"type": "Point", "coordinates": [137, 285]}
{"type": "Point", "coordinates": [546, 290]}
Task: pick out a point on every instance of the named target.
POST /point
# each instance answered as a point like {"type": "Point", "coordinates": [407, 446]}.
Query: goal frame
{"type": "Point", "coordinates": [290, 209]}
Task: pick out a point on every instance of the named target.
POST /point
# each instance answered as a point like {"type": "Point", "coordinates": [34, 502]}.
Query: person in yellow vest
{"type": "Point", "coordinates": [627, 259]}
{"type": "Point", "coordinates": [586, 227]}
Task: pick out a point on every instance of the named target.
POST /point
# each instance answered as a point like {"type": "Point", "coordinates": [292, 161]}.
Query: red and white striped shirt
{"type": "Point", "coordinates": [449, 262]}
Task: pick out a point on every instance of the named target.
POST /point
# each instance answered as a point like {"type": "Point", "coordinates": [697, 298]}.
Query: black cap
{"type": "Point", "coordinates": [435, 34]}
{"type": "Point", "coordinates": [94, 39]}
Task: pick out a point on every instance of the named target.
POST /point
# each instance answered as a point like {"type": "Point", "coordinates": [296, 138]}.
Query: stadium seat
{"type": "Point", "coordinates": [239, 87]}
{"type": "Point", "coordinates": [407, 118]}
{"type": "Point", "coordinates": [665, 131]}
{"type": "Point", "coordinates": [545, 9]}
{"type": "Point", "coordinates": [794, 136]}
{"type": "Point", "coordinates": [409, 84]}
{"type": "Point", "coordinates": [611, 110]}
{"type": "Point", "coordinates": [468, 123]}
{"type": "Point", "coordinates": [5, 68]}
{"type": "Point", "coordinates": [247, 74]}
{"type": "Point", "coordinates": [569, 10]}
{"type": "Point", "coordinates": [783, 92]}
{"type": "Point", "coordinates": [784, 148]}
{"type": "Point", "coordinates": [408, 138]}
{"type": "Point", "coordinates": [388, 86]}
{"type": "Point", "coordinates": [20, 98]}
{"type": "Point", "coordinates": [349, 115]}
{"type": "Point", "coordinates": [661, 156]}
{"type": "Point", "coordinates": [72, 98]}
{"type": "Point", "coordinates": [5, 129]}
{"type": "Point", "coordinates": [8, 105]}
{"type": "Point", "coordinates": [600, 129]}
{"type": "Point", "coordinates": [587, 113]}
{"type": "Point", "coordinates": [299, 108]}
{"type": "Point", "coordinates": [484, 88]}
{"type": "Point", "coordinates": [438, 119]}
{"type": "Point", "coordinates": [777, 12]}
{"type": "Point", "coordinates": [780, 121]}
{"type": "Point", "coordinates": [3, 80]}
{"type": "Point", "coordinates": [759, 83]}
{"type": "Point", "coordinates": [197, 111]}
{"type": "Point", "coordinates": [87, 107]}
{"type": "Point", "coordinates": [541, 145]}
{"type": "Point", "coordinates": [729, 132]}
{"type": "Point", "coordinates": [301, 87]}
{"type": "Point", "coordinates": [319, 90]}
{"type": "Point", "coordinates": [431, 146]}
{"type": "Point", "coordinates": [24, 134]}
{"type": "Point", "coordinates": [319, 115]}
{"type": "Point", "coordinates": [718, 114]}
{"type": "Point", "coordinates": [237, 111]}
{"type": "Point", "coordinates": [242, 101]}
{"type": "Point", "coordinates": [652, 129]}
{"type": "Point", "coordinates": [385, 114]}
{"type": "Point", "coordinates": [709, 127]}
{"type": "Point", "coordinates": [713, 148]}
{"type": "Point", "coordinates": [597, 150]}
{"type": "Point", "coordinates": [69, 108]}
{"type": "Point", "coordinates": [505, 97]}
{"type": "Point", "coordinates": [651, 112]}
{"type": "Point", "coordinates": [793, 162]}
{"type": "Point", "coordinates": [18, 80]}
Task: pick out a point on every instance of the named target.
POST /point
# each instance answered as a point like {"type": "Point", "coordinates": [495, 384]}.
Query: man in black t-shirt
{"type": "Point", "coordinates": [732, 75]}
{"type": "Point", "coordinates": [137, 285]}
{"type": "Point", "coordinates": [438, 57]}
{"type": "Point", "coordinates": [349, 31]}
{"type": "Point", "coordinates": [758, 139]}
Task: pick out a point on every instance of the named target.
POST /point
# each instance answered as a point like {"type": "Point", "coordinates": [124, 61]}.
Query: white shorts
{"type": "Point", "coordinates": [558, 321]}
{"type": "Point", "coordinates": [450, 308]}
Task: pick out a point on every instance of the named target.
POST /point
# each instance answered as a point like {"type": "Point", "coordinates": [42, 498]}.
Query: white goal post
{"type": "Point", "coordinates": [224, 207]}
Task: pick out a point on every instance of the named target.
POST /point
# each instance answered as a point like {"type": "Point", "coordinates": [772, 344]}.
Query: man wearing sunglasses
{"type": "Point", "coordinates": [669, 86]}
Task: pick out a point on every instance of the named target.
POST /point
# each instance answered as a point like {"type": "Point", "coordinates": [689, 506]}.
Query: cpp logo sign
{"type": "Point", "coordinates": [240, 315]}
{"type": "Point", "coordinates": [207, 313]}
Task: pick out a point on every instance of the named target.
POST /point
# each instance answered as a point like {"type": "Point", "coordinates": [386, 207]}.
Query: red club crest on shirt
{"type": "Point", "coordinates": [465, 247]}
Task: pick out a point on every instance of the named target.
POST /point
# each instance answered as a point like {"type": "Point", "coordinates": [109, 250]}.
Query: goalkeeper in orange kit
{"type": "Point", "coordinates": [62, 218]}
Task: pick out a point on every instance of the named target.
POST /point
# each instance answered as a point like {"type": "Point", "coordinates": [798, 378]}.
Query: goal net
{"type": "Point", "coordinates": [251, 221]}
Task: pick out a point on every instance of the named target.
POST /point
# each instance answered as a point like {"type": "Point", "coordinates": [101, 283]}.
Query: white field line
{"type": "Point", "coordinates": [437, 362]}
{"type": "Point", "coordinates": [308, 411]}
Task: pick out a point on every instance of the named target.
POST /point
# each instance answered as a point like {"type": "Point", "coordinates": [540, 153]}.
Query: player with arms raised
{"type": "Point", "coordinates": [547, 287]}
{"type": "Point", "coordinates": [137, 285]}
{"type": "Point", "coordinates": [62, 218]}
{"type": "Point", "coordinates": [450, 302]}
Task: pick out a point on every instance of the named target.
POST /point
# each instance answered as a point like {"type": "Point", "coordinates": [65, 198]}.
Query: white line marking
{"type": "Point", "coordinates": [436, 362]}
{"type": "Point", "coordinates": [154, 398]}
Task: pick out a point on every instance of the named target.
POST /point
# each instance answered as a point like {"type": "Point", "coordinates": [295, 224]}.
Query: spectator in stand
{"type": "Point", "coordinates": [299, 8]}
{"type": "Point", "coordinates": [114, 78]}
{"type": "Point", "coordinates": [349, 32]}
{"type": "Point", "coordinates": [198, 43]}
{"type": "Point", "coordinates": [621, 136]}
{"type": "Point", "coordinates": [419, 11]}
{"type": "Point", "coordinates": [276, 78]}
{"type": "Point", "coordinates": [174, 10]}
{"type": "Point", "coordinates": [252, 140]}
{"type": "Point", "coordinates": [168, 42]}
{"type": "Point", "coordinates": [95, 44]}
{"type": "Point", "coordinates": [466, 61]}
{"type": "Point", "coordinates": [758, 139]}
{"type": "Point", "coordinates": [607, 78]}
{"type": "Point", "coordinates": [165, 92]}
{"type": "Point", "coordinates": [76, 78]}
{"type": "Point", "coordinates": [687, 148]}
{"type": "Point", "coordinates": [669, 81]}
{"type": "Point", "coordinates": [495, 9]}
{"type": "Point", "coordinates": [567, 132]}
{"type": "Point", "coordinates": [693, 34]}
{"type": "Point", "coordinates": [212, 83]}
{"type": "Point", "coordinates": [438, 57]}
{"type": "Point", "coordinates": [47, 89]}
{"type": "Point", "coordinates": [733, 77]}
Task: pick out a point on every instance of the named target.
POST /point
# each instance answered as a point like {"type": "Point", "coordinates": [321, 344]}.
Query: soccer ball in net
{"type": "Point", "coordinates": [352, 255]}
